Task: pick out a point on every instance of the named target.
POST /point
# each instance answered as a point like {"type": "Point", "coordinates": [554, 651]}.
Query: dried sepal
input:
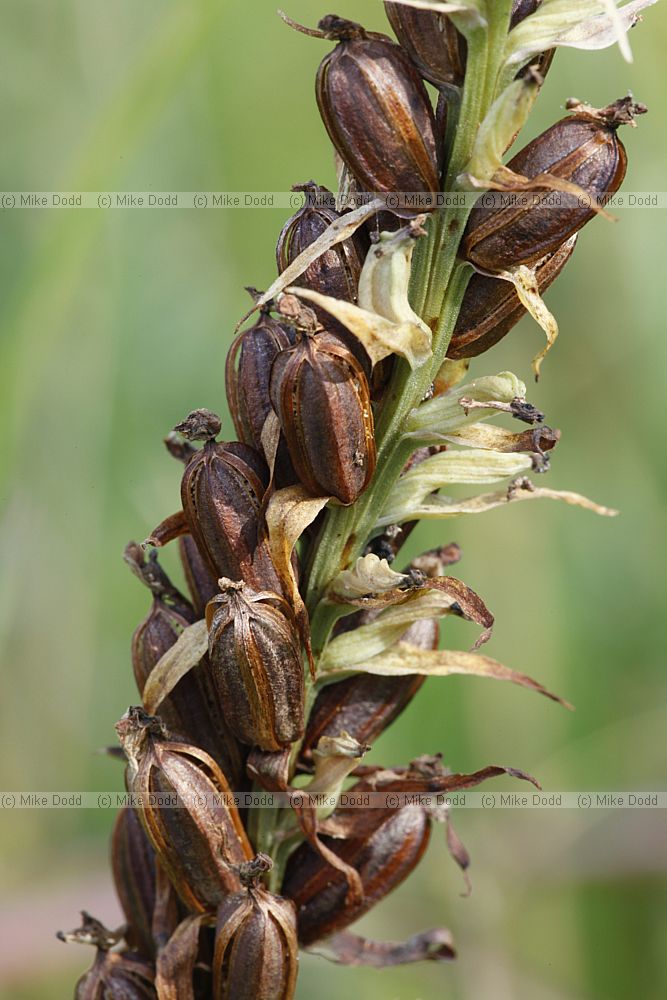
{"type": "Point", "coordinates": [405, 659]}
{"type": "Point", "coordinates": [580, 25]}
{"type": "Point", "coordinates": [438, 506]}
{"type": "Point", "coordinates": [346, 948]}
{"type": "Point", "coordinates": [384, 852]}
{"type": "Point", "coordinates": [186, 811]}
{"type": "Point", "coordinates": [365, 705]}
{"type": "Point", "coordinates": [256, 665]}
{"type": "Point", "coordinates": [436, 417]}
{"type": "Point", "coordinates": [435, 598]}
{"type": "Point", "coordinates": [336, 271]}
{"type": "Point", "coordinates": [491, 307]}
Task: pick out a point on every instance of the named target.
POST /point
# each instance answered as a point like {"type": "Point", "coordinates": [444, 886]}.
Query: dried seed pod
{"type": "Point", "coordinates": [583, 149]}
{"type": "Point", "coordinates": [256, 947]}
{"type": "Point", "coordinates": [376, 110]}
{"type": "Point", "coordinates": [437, 49]}
{"type": "Point", "coordinates": [113, 975]}
{"type": "Point", "coordinates": [336, 272]}
{"type": "Point", "coordinates": [321, 396]}
{"type": "Point", "coordinates": [186, 811]}
{"type": "Point", "coordinates": [491, 306]}
{"type": "Point", "coordinates": [247, 375]}
{"type": "Point", "coordinates": [384, 846]}
{"type": "Point", "coordinates": [191, 711]}
{"type": "Point", "coordinates": [202, 584]}
{"type": "Point", "coordinates": [365, 705]}
{"type": "Point", "coordinates": [222, 490]}
{"type": "Point", "coordinates": [133, 867]}
{"type": "Point", "coordinates": [256, 665]}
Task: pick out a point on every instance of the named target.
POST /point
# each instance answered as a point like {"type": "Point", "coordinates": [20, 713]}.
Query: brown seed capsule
{"type": "Point", "coordinates": [222, 490]}
{"type": "Point", "coordinates": [256, 947]}
{"type": "Point", "coordinates": [384, 846]}
{"type": "Point", "coordinates": [437, 49]}
{"type": "Point", "coordinates": [133, 867]}
{"type": "Point", "coordinates": [256, 665]}
{"type": "Point", "coordinates": [581, 149]}
{"type": "Point", "coordinates": [321, 396]}
{"type": "Point", "coordinates": [491, 306]}
{"type": "Point", "coordinates": [191, 711]}
{"type": "Point", "coordinates": [247, 375]}
{"type": "Point", "coordinates": [113, 975]}
{"type": "Point", "coordinates": [377, 111]}
{"type": "Point", "coordinates": [435, 46]}
{"type": "Point", "coordinates": [336, 272]}
{"type": "Point", "coordinates": [202, 584]}
{"type": "Point", "coordinates": [365, 705]}
{"type": "Point", "coordinates": [187, 811]}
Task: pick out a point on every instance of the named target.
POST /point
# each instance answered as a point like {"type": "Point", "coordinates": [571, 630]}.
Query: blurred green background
{"type": "Point", "coordinates": [116, 323]}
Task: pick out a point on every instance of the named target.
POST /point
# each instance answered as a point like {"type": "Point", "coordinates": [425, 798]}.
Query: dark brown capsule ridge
{"type": "Point", "coordinates": [581, 149]}
{"type": "Point", "coordinates": [321, 395]}
{"type": "Point", "coordinates": [377, 112]}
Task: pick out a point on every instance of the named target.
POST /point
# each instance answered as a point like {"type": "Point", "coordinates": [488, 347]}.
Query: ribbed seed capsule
{"type": "Point", "coordinates": [321, 396]}
{"type": "Point", "coordinates": [113, 975]}
{"type": "Point", "coordinates": [435, 46]}
{"type": "Point", "coordinates": [133, 867]}
{"type": "Point", "coordinates": [365, 705]}
{"type": "Point", "coordinates": [582, 149]}
{"type": "Point", "coordinates": [117, 977]}
{"type": "Point", "coordinates": [191, 711]}
{"type": "Point", "coordinates": [491, 306]}
{"type": "Point", "coordinates": [221, 491]}
{"type": "Point", "coordinates": [256, 947]}
{"type": "Point", "coordinates": [248, 371]}
{"type": "Point", "coordinates": [336, 272]}
{"type": "Point", "coordinates": [256, 665]}
{"type": "Point", "coordinates": [376, 110]}
{"type": "Point", "coordinates": [202, 584]}
{"type": "Point", "coordinates": [383, 845]}
{"type": "Point", "coordinates": [199, 839]}
{"type": "Point", "coordinates": [437, 49]}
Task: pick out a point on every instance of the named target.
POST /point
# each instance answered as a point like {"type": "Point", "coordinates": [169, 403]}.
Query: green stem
{"type": "Point", "coordinates": [439, 283]}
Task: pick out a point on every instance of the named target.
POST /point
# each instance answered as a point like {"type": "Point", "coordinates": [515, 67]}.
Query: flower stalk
{"type": "Point", "coordinates": [298, 642]}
